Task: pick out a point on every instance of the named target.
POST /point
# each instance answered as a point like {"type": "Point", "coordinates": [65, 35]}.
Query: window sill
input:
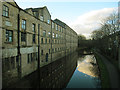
{"type": "Point", "coordinates": [9, 42]}
{"type": "Point", "coordinates": [23, 30]}
{"type": "Point", "coordinates": [5, 16]}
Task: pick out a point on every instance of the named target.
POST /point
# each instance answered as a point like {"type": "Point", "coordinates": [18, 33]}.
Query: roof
{"type": "Point", "coordinates": [37, 9]}
{"type": "Point", "coordinates": [12, 2]}
{"type": "Point", "coordinates": [57, 21]}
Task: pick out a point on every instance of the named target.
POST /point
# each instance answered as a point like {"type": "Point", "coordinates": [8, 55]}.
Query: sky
{"type": "Point", "coordinates": [83, 16]}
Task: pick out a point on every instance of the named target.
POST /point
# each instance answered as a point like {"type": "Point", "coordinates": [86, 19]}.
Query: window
{"type": "Point", "coordinates": [44, 33]}
{"type": "Point", "coordinates": [48, 21]}
{"type": "Point", "coordinates": [33, 28]}
{"type": "Point", "coordinates": [33, 38]}
{"type": "Point", "coordinates": [9, 36]}
{"type": "Point", "coordinates": [5, 11]}
{"type": "Point", "coordinates": [46, 40]}
{"type": "Point", "coordinates": [49, 34]}
{"type": "Point", "coordinates": [24, 24]}
{"type": "Point", "coordinates": [59, 36]}
{"type": "Point", "coordinates": [41, 18]}
{"type": "Point", "coordinates": [56, 27]}
{"type": "Point", "coordinates": [23, 36]}
{"type": "Point", "coordinates": [53, 34]}
{"type": "Point", "coordinates": [55, 41]}
{"type": "Point", "coordinates": [53, 50]}
{"type": "Point", "coordinates": [12, 62]}
{"type": "Point", "coordinates": [8, 64]}
{"type": "Point", "coordinates": [49, 51]}
{"type": "Point", "coordinates": [41, 52]}
{"type": "Point", "coordinates": [31, 57]}
{"type": "Point", "coordinates": [41, 40]}
{"type": "Point", "coordinates": [59, 28]}
{"type": "Point", "coordinates": [49, 40]}
{"type": "Point", "coordinates": [28, 61]}
{"type": "Point", "coordinates": [56, 35]}
{"type": "Point", "coordinates": [52, 24]}
{"type": "Point", "coordinates": [35, 14]}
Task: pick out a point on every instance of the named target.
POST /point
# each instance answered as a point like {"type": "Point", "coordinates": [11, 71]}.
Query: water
{"type": "Point", "coordinates": [86, 74]}
{"type": "Point", "coordinates": [72, 71]}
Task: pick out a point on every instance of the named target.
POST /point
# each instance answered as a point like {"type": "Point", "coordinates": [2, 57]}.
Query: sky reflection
{"type": "Point", "coordinates": [85, 75]}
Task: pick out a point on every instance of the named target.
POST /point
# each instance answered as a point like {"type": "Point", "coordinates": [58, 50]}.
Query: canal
{"type": "Point", "coordinates": [86, 74]}
{"type": "Point", "coordinates": [72, 71]}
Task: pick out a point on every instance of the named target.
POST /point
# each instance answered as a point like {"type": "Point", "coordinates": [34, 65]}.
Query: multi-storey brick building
{"type": "Point", "coordinates": [30, 39]}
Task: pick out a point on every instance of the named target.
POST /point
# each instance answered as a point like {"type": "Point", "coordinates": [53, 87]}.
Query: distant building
{"type": "Point", "coordinates": [27, 33]}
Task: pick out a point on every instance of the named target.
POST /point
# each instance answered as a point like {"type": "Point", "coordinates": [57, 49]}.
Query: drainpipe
{"type": "Point", "coordinates": [51, 41]}
{"type": "Point", "coordinates": [51, 53]}
{"type": "Point", "coordinates": [39, 55]}
{"type": "Point", "coordinates": [18, 58]}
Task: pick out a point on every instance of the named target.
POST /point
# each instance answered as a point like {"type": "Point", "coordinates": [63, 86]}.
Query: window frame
{"type": "Point", "coordinates": [56, 27]}
{"type": "Point", "coordinates": [42, 41]}
{"type": "Point", "coordinates": [53, 35]}
{"type": "Point", "coordinates": [44, 34]}
{"type": "Point", "coordinates": [23, 25]}
{"type": "Point", "coordinates": [9, 36]}
{"type": "Point", "coordinates": [33, 27]}
{"type": "Point", "coordinates": [48, 21]}
{"type": "Point", "coordinates": [49, 34]}
{"type": "Point", "coordinates": [4, 11]}
{"type": "Point", "coordinates": [42, 52]}
{"type": "Point", "coordinates": [34, 38]}
{"type": "Point", "coordinates": [23, 38]}
{"type": "Point", "coordinates": [41, 18]}
{"type": "Point", "coordinates": [46, 40]}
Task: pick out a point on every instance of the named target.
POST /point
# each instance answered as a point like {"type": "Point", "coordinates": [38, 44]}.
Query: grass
{"type": "Point", "coordinates": [104, 75]}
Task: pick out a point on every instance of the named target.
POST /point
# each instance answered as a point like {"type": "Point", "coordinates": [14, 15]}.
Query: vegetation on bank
{"type": "Point", "coordinates": [104, 76]}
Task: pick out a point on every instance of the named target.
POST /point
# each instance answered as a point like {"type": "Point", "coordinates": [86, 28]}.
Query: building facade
{"type": "Point", "coordinates": [30, 39]}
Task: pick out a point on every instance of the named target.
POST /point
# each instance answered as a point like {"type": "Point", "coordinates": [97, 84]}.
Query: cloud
{"type": "Point", "coordinates": [90, 21]}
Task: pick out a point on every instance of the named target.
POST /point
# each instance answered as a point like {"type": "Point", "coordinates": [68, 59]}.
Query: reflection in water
{"type": "Point", "coordinates": [69, 72]}
{"type": "Point", "coordinates": [55, 75]}
{"type": "Point", "coordinates": [87, 65]}
{"type": "Point", "coordinates": [86, 74]}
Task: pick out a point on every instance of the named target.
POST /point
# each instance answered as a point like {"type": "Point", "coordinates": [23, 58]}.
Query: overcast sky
{"type": "Point", "coordinates": [83, 16]}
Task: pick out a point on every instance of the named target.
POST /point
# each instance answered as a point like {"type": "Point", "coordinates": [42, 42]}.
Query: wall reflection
{"type": "Point", "coordinates": [55, 75]}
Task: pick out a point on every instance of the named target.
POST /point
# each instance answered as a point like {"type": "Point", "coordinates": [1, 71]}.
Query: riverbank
{"type": "Point", "coordinates": [105, 82]}
{"type": "Point", "coordinates": [108, 73]}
